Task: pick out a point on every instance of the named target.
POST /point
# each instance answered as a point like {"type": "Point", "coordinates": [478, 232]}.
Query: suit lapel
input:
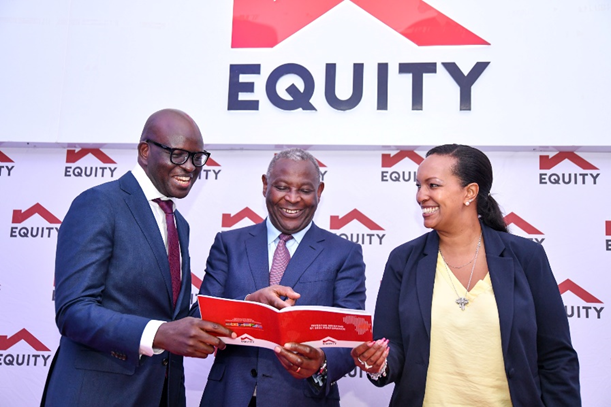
{"type": "Point", "coordinates": [309, 248]}
{"type": "Point", "coordinates": [141, 211]}
{"type": "Point", "coordinates": [425, 278]}
{"type": "Point", "coordinates": [185, 282]}
{"type": "Point", "coordinates": [256, 252]}
{"type": "Point", "coordinates": [502, 272]}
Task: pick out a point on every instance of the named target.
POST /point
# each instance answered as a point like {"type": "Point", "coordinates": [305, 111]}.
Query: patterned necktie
{"type": "Point", "coordinates": [173, 249]}
{"type": "Point", "coordinates": [280, 261]}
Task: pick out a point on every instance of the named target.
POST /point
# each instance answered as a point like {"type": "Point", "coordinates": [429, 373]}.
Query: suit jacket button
{"type": "Point", "coordinates": [253, 372]}
{"type": "Point", "coordinates": [165, 362]}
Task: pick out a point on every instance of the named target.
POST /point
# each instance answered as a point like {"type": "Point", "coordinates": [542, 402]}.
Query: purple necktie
{"type": "Point", "coordinates": [280, 261]}
{"type": "Point", "coordinates": [173, 249]}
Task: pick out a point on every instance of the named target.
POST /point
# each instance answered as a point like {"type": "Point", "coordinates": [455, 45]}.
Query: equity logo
{"type": "Point", "coordinates": [547, 162]}
{"type": "Point", "coordinates": [512, 218]}
{"type": "Point", "coordinates": [22, 359]}
{"type": "Point", "coordinates": [229, 220]}
{"type": "Point", "coordinates": [210, 173]}
{"type": "Point", "coordinates": [95, 171]}
{"type": "Point", "coordinates": [390, 160]}
{"type": "Point", "coordinates": [246, 339]}
{"type": "Point", "coordinates": [7, 342]}
{"type": "Point", "coordinates": [4, 158]}
{"type": "Point", "coordinates": [5, 170]}
{"type": "Point", "coordinates": [20, 216]}
{"type": "Point", "coordinates": [608, 233]}
{"type": "Point", "coordinates": [582, 177]}
{"type": "Point", "coordinates": [338, 222]}
{"type": "Point", "coordinates": [73, 156]}
{"type": "Point", "coordinates": [328, 341]}
{"type": "Point", "coordinates": [583, 311]}
{"type": "Point", "coordinates": [266, 23]}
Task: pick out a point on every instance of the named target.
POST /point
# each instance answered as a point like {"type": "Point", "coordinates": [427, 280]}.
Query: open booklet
{"type": "Point", "coordinates": [261, 325]}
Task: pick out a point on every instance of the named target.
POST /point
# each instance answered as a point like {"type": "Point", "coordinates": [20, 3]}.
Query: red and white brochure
{"type": "Point", "coordinates": [261, 325]}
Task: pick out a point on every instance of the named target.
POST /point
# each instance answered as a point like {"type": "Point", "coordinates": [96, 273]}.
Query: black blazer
{"type": "Point", "coordinates": [540, 362]}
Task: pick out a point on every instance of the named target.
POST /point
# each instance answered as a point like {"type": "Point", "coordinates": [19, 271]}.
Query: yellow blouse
{"type": "Point", "coordinates": [466, 362]}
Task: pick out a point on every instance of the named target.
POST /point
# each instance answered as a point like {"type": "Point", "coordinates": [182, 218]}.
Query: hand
{"type": "Point", "coordinates": [301, 361]}
{"type": "Point", "coordinates": [370, 356]}
{"type": "Point", "coordinates": [191, 337]}
{"type": "Point", "coordinates": [272, 295]}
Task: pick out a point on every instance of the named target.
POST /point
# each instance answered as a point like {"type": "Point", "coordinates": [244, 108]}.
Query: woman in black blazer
{"type": "Point", "coordinates": [469, 314]}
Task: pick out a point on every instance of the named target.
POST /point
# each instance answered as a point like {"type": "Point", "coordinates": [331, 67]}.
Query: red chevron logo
{"type": "Point", "coordinates": [212, 163]}
{"type": "Point", "coordinates": [266, 23]}
{"type": "Point", "coordinates": [389, 160]}
{"type": "Point", "coordinates": [568, 285]}
{"type": "Point", "coordinates": [73, 156]}
{"type": "Point", "coordinates": [547, 163]}
{"type": "Point", "coordinates": [338, 222]}
{"type": "Point", "coordinates": [4, 158]}
{"type": "Point", "coordinates": [522, 224]}
{"type": "Point", "coordinates": [7, 342]}
{"type": "Point", "coordinates": [20, 216]}
{"type": "Point", "coordinates": [230, 220]}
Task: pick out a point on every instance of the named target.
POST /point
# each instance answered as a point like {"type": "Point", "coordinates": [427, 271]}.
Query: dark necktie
{"type": "Point", "coordinates": [280, 261]}
{"type": "Point", "coordinates": [173, 249]}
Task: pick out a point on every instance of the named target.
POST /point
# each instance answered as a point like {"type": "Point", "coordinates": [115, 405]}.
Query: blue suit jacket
{"type": "Point", "coordinates": [325, 270]}
{"type": "Point", "coordinates": [111, 277]}
{"type": "Point", "coordinates": [540, 362]}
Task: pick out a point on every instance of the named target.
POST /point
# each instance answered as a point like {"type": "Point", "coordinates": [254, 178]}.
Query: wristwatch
{"type": "Point", "coordinates": [319, 378]}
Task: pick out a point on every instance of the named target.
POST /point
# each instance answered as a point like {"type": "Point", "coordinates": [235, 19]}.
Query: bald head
{"type": "Point", "coordinates": [167, 121]}
{"type": "Point", "coordinates": [165, 130]}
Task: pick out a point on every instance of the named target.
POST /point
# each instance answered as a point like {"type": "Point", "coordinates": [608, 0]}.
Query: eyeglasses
{"type": "Point", "coordinates": [178, 156]}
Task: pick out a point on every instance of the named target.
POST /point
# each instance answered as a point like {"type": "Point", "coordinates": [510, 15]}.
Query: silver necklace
{"type": "Point", "coordinates": [463, 301]}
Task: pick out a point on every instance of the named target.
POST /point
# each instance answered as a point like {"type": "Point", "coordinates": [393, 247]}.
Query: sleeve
{"type": "Point", "coordinates": [557, 360]}
{"type": "Point", "coordinates": [84, 249]}
{"type": "Point", "coordinates": [387, 319]}
{"type": "Point", "coordinates": [349, 293]}
{"type": "Point", "coordinates": [217, 269]}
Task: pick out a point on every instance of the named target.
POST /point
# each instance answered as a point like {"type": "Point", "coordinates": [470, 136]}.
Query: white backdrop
{"type": "Point", "coordinates": [524, 80]}
{"type": "Point", "coordinates": [569, 218]}
{"type": "Point", "coordinates": [82, 70]}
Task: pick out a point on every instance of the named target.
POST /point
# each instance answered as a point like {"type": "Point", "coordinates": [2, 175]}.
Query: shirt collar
{"type": "Point", "coordinates": [273, 233]}
{"type": "Point", "coordinates": [150, 191]}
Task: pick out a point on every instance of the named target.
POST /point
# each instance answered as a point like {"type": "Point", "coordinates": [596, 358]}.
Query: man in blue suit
{"type": "Point", "coordinates": [324, 269]}
{"type": "Point", "coordinates": [123, 320]}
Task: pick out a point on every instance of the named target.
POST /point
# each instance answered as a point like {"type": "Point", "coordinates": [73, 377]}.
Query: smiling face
{"type": "Point", "coordinates": [176, 130]}
{"type": "Point", "coordinates": [441, 195]}
{"type": "Point", "coordinates": [291, 194]}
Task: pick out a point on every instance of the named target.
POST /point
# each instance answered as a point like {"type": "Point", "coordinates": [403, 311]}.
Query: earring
{"type": "Point", "coordinates": [468, 202]}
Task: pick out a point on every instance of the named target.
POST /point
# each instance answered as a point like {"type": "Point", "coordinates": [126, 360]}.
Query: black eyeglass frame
{"type": "Point", "coordinates": [190, 154]}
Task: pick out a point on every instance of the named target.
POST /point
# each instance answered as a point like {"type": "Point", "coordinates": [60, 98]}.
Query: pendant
{"type": "Point", "coordinates": [462, 301]}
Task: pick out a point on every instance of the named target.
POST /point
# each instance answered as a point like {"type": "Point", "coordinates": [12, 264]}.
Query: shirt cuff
{"type": "Point", "coordinates": [148, 336]}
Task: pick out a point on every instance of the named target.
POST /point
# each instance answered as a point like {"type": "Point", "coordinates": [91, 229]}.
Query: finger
{"type": "Point", "coordinates": [285, 291]}
{"type": "Point", "coordinates": [306, 351]}
{"type": "Point", "coordinates": [359, 349]}
{"type": "Point", "coordinates": [220, 330]}
{"type": "Point", "coordinates": [287, 360]}
{"type": "Point", "coordinates": [376, 352]}
{"type": "Point", "coordinates": [377, 347]}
